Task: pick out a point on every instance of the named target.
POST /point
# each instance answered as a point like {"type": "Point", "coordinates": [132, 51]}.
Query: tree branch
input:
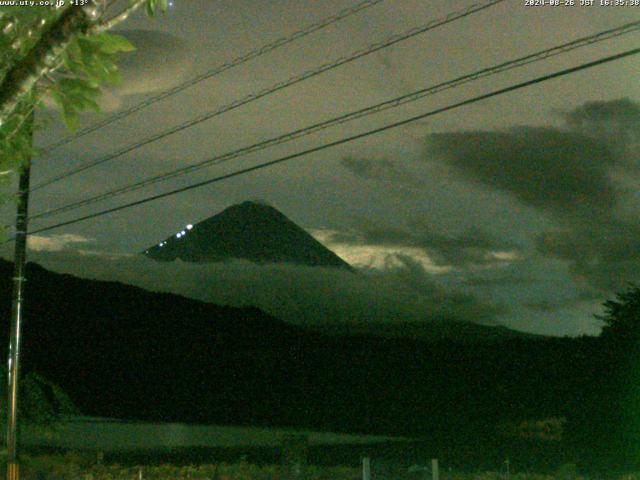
{"type": "Point", "coordinates": [22, 118]}
{"type": "Point", "coordinates": [21, 78]}
{"type": "Point", "coordinates": [121, 17]}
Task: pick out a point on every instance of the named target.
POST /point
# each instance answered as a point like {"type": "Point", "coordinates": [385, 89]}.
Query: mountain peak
{"type": "Point", "coordinates": [250, 230]}
{"type": "Point", "coordinates": [252, 209]}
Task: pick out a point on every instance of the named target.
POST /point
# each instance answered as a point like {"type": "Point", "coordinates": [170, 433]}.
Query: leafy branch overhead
{"type": "Point", "coordinates": [64, 53]}
{"type": "Point", "coordinates": [88, 62]}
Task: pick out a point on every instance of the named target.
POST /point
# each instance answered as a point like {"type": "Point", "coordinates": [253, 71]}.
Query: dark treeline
{"type": "Point", "coordinates": [123, 352]}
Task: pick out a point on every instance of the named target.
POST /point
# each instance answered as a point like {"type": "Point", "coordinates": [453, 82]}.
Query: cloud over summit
{"type": "Point", "coordinates": [402, 292]}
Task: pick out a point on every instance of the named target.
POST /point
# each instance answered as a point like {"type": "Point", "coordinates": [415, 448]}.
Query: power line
{"type": "Point", "coordinates": [388, 104]}
{"type": "Point", "coordinates": [392, 40]}
{"type": "Point", "coordinates": [335, 143]}
{"type": "Point", "coordinates": [255, 53]}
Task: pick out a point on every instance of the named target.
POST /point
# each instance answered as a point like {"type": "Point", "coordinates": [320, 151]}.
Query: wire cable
{"type": "Point", "coordinates": [394, 39]}
{"type": "Point", "coordinates": [380, 107]}
{"type": "Point", "coordinates": [255, 53]}
{"type": "Point", "coordinates": [342, 141]}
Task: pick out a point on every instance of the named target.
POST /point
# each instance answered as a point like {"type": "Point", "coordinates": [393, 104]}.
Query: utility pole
{"type": "Point", "coordinates": [17, 312]}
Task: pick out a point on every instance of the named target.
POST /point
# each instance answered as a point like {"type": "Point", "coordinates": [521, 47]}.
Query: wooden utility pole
{"type": "Point", "coordinates": [17, 312]}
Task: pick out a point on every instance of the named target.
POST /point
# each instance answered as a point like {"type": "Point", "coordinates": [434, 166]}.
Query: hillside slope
{"type": "Point", "coordinates": [124, 352]}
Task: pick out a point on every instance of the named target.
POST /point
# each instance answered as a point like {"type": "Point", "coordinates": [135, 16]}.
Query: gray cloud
{"type": "Point", "coordinates": [55, 243]}
{"type": "Point", "coordinates": [498, 278]}
{"type": "Point", "coordinates": [380, 169]}
{"type": "Point", "coordinates": [555, 305]}
{"type": "Point", "coordinates": [570, 175]}
{"type": "Point", "coordinates": [159, 62]}
{"type": "Point", "coordinates": [602, 256]}
{"type": "Point", "coordinates": [617, 121]}
{"type": "Point", "coordinates": [402, 292]}
{"type": "Point", "coordinates": [560, 172]}
{"type": "Point", "coordinates": [544, 306]}
{"type": "Point", "coordinates": [471, 247]}
{"type": "Point", "coordinates": [140, 68]}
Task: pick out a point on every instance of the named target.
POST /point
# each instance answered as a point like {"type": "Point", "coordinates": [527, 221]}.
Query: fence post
{"type": "Point", "coordinates": [366, 468]}
{"type": "Point", "coordinates": [294, 456]}
{"type": "Point", "coordinates": [435, 474]}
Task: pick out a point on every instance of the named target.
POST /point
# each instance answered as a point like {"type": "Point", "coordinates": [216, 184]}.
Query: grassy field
{"type": "Point", "coordinates": [73, 466]}
{"type": "Point", "coordinates": [104, 434]}
{"type": "Point", "coordinates": [76, 467]}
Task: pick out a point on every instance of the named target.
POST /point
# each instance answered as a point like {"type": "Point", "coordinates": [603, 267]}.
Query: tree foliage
{"type": "Point", "coordinates": [64, 53]}
{"type": "Point", "coordinates": [41, 402]}
{"type": "Point", "coordinates": [606, 415]}
{"type": "Point", "coordinates": [622, 316]}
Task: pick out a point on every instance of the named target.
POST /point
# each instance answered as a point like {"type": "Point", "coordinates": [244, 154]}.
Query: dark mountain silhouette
{"type": "Point", "coordinates": [250, 231]}
{"type": "Point", "coordinates": [433, 331]}
{"type": "Point", "coordinates": [120, 351]}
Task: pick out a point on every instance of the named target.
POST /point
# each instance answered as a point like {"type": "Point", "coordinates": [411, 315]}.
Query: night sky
{"type": "Point", "coordinates": [521, 210]}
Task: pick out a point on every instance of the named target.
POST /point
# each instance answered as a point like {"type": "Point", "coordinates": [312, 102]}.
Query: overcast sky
{"type": "Point", "coordinates": [520, 210]}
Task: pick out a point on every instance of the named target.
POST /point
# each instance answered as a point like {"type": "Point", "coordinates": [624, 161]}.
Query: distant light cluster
{"type": "Point", "coordinates": [180, 234]}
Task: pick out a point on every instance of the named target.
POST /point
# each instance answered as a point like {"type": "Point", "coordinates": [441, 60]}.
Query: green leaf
{"type": "Point", "coordinates": [76, 86]}
{"type": "Point", "coordinates": [72, 56]}
{"type": "Point", "coordinates": [74, 95]}
{"type": "Point", "coordinates": [110, 43]}
{"type": "Point", "coordinates": [163, 5]}
{"type": "Point", "coordinates": [70, 117]}
{"type": "Point", "coordinates": [96, 59]}
{"type": "Point", "coordinates": [151, 6]}
{"type": "Point", "coordinates": [113, 76]}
